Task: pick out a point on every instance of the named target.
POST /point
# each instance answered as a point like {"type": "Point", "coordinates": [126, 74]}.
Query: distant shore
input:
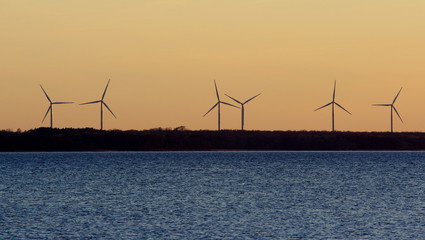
{"type": "Point", "coordinates": [45, 139]}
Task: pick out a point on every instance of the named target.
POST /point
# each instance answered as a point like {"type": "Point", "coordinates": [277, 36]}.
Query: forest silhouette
{"type": "Point", "coordinates": [180, 139]}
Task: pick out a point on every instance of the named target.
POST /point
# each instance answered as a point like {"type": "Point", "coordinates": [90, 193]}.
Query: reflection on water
{"type": "Point", "coordinates": [212, 195]}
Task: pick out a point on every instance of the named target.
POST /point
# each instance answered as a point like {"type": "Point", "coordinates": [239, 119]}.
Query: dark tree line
{"type": "Point", "coordinates": [45, 139]}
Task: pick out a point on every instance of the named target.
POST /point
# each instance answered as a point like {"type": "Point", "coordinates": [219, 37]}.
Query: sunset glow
{"type": "Point", "coordinates": [163, 56]}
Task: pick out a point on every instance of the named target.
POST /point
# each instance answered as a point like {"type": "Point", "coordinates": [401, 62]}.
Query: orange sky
{"type": "Point", "coordinates": [163, 55]}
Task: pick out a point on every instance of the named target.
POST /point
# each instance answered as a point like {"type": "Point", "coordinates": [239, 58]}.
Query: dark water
{"type": "Point", "coordinates": [218, 195]}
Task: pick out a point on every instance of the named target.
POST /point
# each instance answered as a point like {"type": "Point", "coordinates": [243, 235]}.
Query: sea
{"type": "Point", "coordinates": [212, 195]}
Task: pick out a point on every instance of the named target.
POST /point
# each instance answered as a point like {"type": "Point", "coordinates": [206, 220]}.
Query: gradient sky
{"type": "Point", "coordinates": [163, 55]}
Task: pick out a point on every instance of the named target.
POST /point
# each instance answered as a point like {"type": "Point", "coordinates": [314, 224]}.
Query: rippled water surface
{"type": "Point", "coordinates": [213, 195]}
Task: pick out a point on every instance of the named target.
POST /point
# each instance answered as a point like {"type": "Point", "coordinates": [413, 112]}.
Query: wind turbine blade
{"type": "Point", "coordinates": [397, 95]}
{"type": "Point", "coordinates": [216, 91]}
{"type": "Point", "coordinates": [109, 109]}
{"type": "Point", "coordinates": [48, 110]}
{"type": "Point", "coordinates": [229, 104]}
{"type": "Point", "coordinates": [382, 105]}
{"type": "Point", "coordinates": [233, 99]}
{"type": "Point", "coordinates": [104, 92]}
{"type": "Point", "coordinates": [397, 114]}
{"type": "Point", "coordinates": [45, 94]}
{"type": "Point", "coordinates": [252, 98]}
{"type": "Point", "coordinates": [323, 106]}
{"type": "Point", "coordinates": [343, 108]}
{"type": "Point", "coordinates": [90, 102]}
{"type": "Point", "coordinates": [333, 98]}
{"type": "Point", "coordinates": [62, 102]}
{"type": "Point", "coordinates": [215, 105]}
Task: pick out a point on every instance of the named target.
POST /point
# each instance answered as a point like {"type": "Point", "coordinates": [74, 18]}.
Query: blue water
{"type": "Point", "coordinates": [213, 195]}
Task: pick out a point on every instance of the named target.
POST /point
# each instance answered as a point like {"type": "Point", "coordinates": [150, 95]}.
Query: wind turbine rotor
{"type": "Point", "coordinates": [91, 102]}
{"type": "Point", "coordinates": [62, 102]}
{"type": "Point", "coordinates": [229, 104]}
{"type": "Point", "coordinates": [48, 110]}
{"type": "Point", "coordinates": [215, 105]}
{"type": "Point", "coordinates": [343, 108]}
{"type": "Point", "coordinates": [252, 98]}
{"type": "Point", "coordinates": [397, 114]}
{"type": "Point", "coordinates": [233, 99]}
{"type": "Point", "coordinates": [216, 91]}
{"type": "Point", "coordinates": [382, 105]}
{"type": "Point", "coordinates": [106, 88]}
{"type": "Point", "coordinates": [324, 106]}
{"type": "Point", "coordinates": [109, 109]}
{"type": "Point", "coordinates": [45, 93]}
{"type": "Point", "coordinates": [397, 95]}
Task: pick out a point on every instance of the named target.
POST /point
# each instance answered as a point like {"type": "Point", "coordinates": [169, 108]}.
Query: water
{"type": "Point", "coordinates": [213, 195]}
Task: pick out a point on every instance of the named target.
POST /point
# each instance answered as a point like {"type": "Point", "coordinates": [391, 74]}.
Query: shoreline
{"type": "Point", "coordinates": [91, 140]}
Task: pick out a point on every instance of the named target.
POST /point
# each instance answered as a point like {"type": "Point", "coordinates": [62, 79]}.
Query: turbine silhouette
{"type": "Point", "coordinates": [218, 104]}
{"type": "Point", "coordinates": [333, 103]}
{"type": "Point", "coordinates": [392, 107]}
{"type": "Point", "coordinates": [102, 103]}
{"type": "Point", "coordinates": [50, 109]}
{"type": "Point", "coordinates": [243, 107]}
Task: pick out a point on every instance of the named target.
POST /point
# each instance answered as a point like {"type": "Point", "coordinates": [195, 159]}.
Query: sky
{"type": "Point", "coordinates": [162, 57]}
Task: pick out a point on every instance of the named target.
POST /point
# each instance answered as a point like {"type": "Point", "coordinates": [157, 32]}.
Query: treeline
{"type": "Point", "coordinates": [45, 139]}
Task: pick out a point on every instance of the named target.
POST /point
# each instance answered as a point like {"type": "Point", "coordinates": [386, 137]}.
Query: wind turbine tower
{"type": "Point", "coordinates": [50, 109]}
{"type": "Point", "coordinates": [392, 107]}
{"type": "Point", "coordinates": [218, 105]}
{"type": "Point", "coordinates": [102, 103]}
{"type": "Point", "coordinates": [243, 107]}
{"type": "Point", "coordinates": [333, 103]}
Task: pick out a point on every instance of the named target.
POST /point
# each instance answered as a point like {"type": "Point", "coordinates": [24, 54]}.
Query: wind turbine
{"type": "Point", "coordinates": [392, 108]}
{"type": "Point", "coordinates": [102, 103]}
{"type": "Point", "coordinates": [218, 104]}
{"type": "Point", "coordinates": [333, 103]}
{"type": "Point", "coordinates": [50, 109]}
{"type": "Point", "coordinates": [243, 107]}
